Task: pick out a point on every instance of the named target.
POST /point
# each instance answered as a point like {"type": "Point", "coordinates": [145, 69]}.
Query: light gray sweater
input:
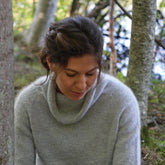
{"type": "Point", "coordinates": [103, 128]}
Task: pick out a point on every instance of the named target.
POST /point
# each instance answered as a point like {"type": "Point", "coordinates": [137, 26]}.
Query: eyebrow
{"type": "Point", "coordinates": [68, 69]}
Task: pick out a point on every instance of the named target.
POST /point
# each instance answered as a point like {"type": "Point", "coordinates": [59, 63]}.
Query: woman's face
{"type": "Point", "coordinates": [77, 78]}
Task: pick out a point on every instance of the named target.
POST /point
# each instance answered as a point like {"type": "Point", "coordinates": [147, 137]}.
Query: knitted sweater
{"type": "Point", "coordinates": [103, 128]}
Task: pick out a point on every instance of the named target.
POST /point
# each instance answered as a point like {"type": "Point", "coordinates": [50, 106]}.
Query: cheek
{"type": "Point", "coordinates": [63, 82]}
{"type": "Point", "coordinates": [91, 81]}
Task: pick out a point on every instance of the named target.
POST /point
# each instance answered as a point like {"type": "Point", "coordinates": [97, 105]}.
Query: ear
{"type": "Point", "coordinates": [50, 64]}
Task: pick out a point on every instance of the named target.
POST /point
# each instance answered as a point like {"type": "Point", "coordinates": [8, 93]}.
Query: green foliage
{"type": "Point", "coordinates": [157, 141]}
{"type": "Point", "coordinates": [153, 137]}
{"type": "Point", "coordinates": [162, 5]}
{"type": "Point", "coordinates": [126, 3]}
{"type": "Point", "coordinates": [154, 140]}
{"type": "Point", "coordinates": [23, 12]}
{"type": "Point", "coordinates": [145, 136]}
{"type": "Point", "coordinates": [26, 74]}
{"type": "Point", "coordinates": [63, 9]}
{"type": "Point", "coordinates": [157, 93]}
{"type": "Point", "coordinates": [159, 162]}
{"type": "Point", "coordinates": [27, 68]}
{"type": "Point", "coordinates": [121, 77]}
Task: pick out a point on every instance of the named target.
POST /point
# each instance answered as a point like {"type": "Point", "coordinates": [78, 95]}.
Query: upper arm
{"type": "Point", "coordinates": [24, 144]}
{"type": "Point", "coordinates": [127, 148]}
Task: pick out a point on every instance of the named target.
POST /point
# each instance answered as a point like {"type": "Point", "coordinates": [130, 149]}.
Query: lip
{"type": "Point", "coordinates": [78, 94]}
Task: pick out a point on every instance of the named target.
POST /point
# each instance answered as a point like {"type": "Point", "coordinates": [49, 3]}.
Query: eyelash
{"type": "Point", "coordinates": [88, 74]}
{"type": "Point", "coordinates": [70, 75]}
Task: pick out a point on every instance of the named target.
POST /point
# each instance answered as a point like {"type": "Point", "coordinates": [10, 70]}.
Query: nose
{"type": "Point", "coordinates": [81, 83]}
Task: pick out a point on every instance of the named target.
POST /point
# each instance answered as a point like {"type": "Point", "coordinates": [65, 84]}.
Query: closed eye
{"type": "Point", "coordinates": [89, 74]}
{"type": "Point", "coordinates": [70, 75]}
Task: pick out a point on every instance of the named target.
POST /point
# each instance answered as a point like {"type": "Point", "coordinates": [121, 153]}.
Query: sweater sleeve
{"type": "Point", "coordinates": [128, 149]}
{"type": "Point", "coordinates": [24, 144]}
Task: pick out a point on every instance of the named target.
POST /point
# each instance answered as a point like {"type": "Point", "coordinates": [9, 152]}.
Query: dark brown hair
{"type": "Point", "coordinates": [73, 36]}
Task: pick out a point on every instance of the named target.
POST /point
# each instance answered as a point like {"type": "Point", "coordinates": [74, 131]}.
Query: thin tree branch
{"type": "Point", "coordinates": [119, 15]}
{"type": "Point", "coordinates": [122, 8]}
{"type": "Point", "coordinates": [159, 42]}
{"type": "Point", "coordinates": [86, 7]}
{"type": "Point", "coordinates": [74, 7]}
{"type": "Point", "coordinates": [101, 20]}
{"type": "Point", "coordinates": [113, 56]}
{"type": "Point", "coordinates": [100, 5]}
{"type": "Point", "coordinates": [157, 45]}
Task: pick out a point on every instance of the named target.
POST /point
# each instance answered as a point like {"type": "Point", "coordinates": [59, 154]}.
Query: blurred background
{"type": "Point", "coordinates": [31, 19]}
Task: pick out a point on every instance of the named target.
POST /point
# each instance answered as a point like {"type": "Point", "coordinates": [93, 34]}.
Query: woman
{"type": "Point", "coordinates": [77, 115]}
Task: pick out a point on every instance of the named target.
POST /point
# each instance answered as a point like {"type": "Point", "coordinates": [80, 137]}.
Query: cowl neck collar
{"type": "Point", "coordinates": [67, 111]}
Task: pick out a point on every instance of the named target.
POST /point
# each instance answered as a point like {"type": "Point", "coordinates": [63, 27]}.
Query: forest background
{"type": "Point", "coordinates": [27, 67]}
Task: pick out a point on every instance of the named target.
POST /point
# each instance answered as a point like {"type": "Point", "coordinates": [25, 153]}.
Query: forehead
{"type": "Point", "coordinates": [86, 61]}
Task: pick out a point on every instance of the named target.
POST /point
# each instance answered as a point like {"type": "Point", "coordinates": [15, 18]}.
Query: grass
{"type": "Point", "coordinates": [153, 146]}
{"type": "Point", "coordinates": [27, 69]}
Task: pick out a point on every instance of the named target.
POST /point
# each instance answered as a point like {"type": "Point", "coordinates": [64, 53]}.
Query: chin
{"type": "Point", "coordinates": [76, 98]}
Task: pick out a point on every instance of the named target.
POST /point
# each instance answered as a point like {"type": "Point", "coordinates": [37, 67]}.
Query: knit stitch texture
{"type": "Point", "coordinates": [103, 128]}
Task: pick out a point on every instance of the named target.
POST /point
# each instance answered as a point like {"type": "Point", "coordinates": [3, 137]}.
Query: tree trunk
{"type": "Point", "coordinates": [44, 15]}
{"type": "Point", "coordinates": [113, 55]}
{"type": "Point", "coordinates": [6, 84]}
{"type": "Point", "coordinates": [141, 51]}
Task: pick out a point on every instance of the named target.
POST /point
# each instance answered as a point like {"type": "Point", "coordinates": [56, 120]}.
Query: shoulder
{"type": "Point", "coordinates": [116, 92]}
{"type": "Point", "coordinates": [30, 92]}
{"type": "Point", "coordinates": [119, 96]}
{"type": "Point", "coordinates": [111, 81]}
{"type": "Point", "coordinates": [115, 86]}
